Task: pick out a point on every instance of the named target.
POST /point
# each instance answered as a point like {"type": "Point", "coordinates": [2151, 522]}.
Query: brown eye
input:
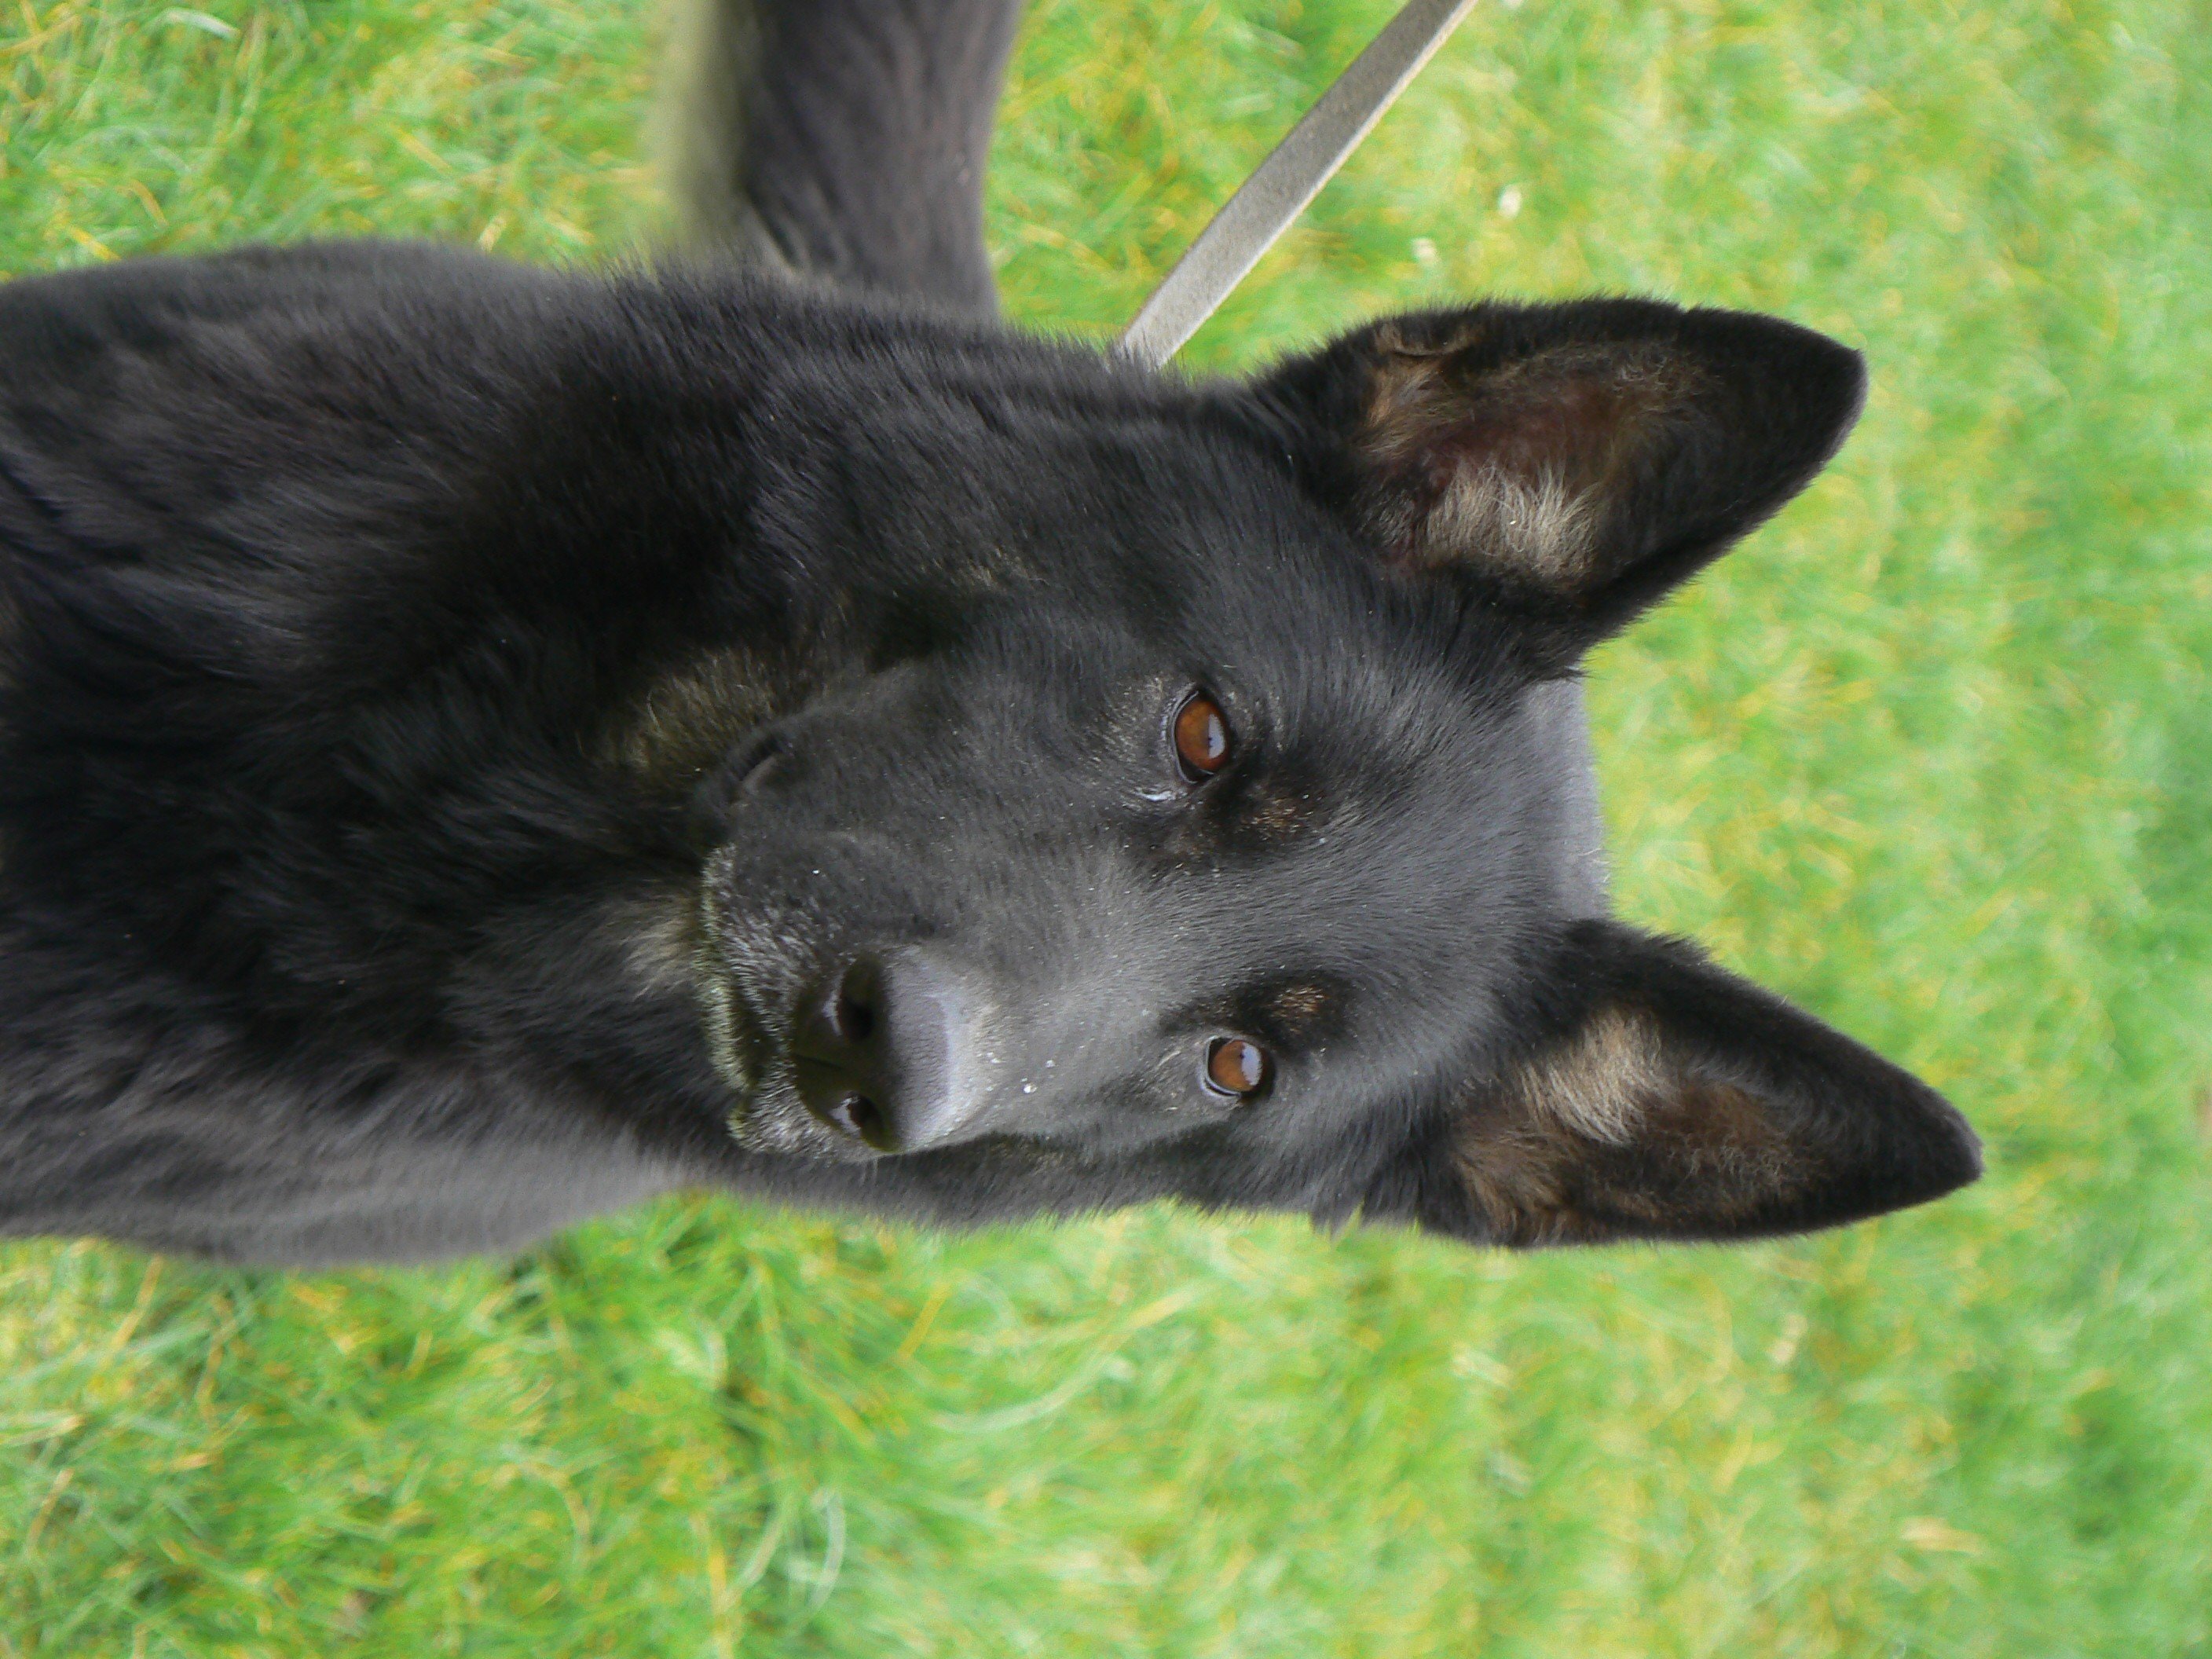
{"type": "Point", "coordinates": [1235, 1067]}
{"type": "Point", "coordinates": [1201, 738]}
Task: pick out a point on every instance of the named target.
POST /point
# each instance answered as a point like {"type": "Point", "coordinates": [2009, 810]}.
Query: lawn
{"type": "Point", "coordinates": [1932, 753]}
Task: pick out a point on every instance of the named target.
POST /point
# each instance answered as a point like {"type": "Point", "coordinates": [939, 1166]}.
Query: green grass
{"type": "Point", "coordinates": [1932, 753]}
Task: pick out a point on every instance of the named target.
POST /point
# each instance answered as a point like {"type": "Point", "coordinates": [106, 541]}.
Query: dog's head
{"type": "Point", "coordinates": [1203, 807]}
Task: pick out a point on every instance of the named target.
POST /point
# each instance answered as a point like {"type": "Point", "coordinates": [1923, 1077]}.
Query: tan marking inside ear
{"type": "Point", "coordinates": [1522, 1152]}
{"type": "Point", "coordinates": [1616, 1135]}
{"type": "Point", "coordinates": [1516, 466]}
{"type": "Point", "coordinates": [1543, 527]}
{"type": "Point", "coordinates": [1599, 1086]}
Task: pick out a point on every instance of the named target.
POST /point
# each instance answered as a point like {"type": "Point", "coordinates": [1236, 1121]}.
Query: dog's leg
{"type": "Point", "coordinates": [840, 141]}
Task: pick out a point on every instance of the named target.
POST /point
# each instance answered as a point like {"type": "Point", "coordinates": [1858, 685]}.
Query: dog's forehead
{"type": "Point", "coordinates": [1403, 807]}
{"type": "Point", "coordinates": [1407, 845]}
{"type": "Point", "coordinates": [1393, 754]}
{"type": "Point", "coordinates": [1411, 809]}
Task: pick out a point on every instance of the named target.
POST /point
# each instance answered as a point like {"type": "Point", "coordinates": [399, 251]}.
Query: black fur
{"type": "Point", "coordinates": [456, 719]}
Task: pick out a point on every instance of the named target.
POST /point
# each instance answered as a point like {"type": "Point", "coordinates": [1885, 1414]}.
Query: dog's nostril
{"type": "Point", "coordinates": [871, 1052]}
{"type": "Point", "coordinates": [859, 1117]}
{"type": "Point", "coordinates": [855, 1009]}
{"type": "Point", "coordinates": [854, 1019]}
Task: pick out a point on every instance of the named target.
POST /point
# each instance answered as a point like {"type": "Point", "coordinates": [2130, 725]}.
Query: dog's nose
{"type": "Point", "coordinates": [873, 1048]}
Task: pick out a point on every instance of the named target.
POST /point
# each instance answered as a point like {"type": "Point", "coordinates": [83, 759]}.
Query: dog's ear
{"type": "Point", "coordinates": [1660, 1097]}
{"type": "Point", "coordinates": [1575, 460]}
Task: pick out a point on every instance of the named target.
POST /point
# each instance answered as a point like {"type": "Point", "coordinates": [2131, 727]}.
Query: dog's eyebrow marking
{"type": "Point", "coordinates": [1300, 1008]}
{"type": "Point", "coordinates": [1258, 815]}
{"type": "Point", "coordinates": [1276, 814]}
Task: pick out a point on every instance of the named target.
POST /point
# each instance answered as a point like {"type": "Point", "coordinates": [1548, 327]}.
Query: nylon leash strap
{"type": "Point", "coordinates": [1293, 173]}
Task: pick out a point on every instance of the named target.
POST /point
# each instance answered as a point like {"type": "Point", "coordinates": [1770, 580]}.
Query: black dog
{"type": "Point", "coordinates": [479, 745]}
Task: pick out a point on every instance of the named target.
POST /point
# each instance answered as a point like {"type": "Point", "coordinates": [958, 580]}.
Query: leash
{"type": "Point", "coordinates": [1293, 173]}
